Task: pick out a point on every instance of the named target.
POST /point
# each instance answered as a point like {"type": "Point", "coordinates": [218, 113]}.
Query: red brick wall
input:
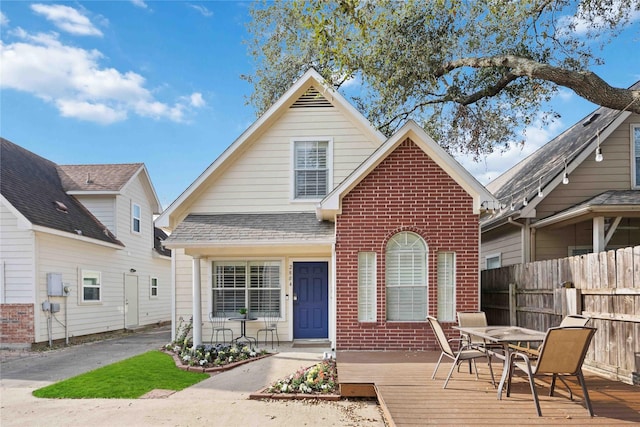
{"type": "Point", "coordinates": [16, 324]}
{"type": "Point", "coordinates": [407, 192]}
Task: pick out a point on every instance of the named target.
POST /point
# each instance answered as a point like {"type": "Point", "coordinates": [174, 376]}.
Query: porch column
{"type": "Point", "coordinates": [197, 303]}
{"type": "Point", "coordinates": [598, 234]}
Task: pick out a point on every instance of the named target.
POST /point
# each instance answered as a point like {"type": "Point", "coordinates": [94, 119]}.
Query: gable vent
{"type": "Point", "coordinates": [311, 98]}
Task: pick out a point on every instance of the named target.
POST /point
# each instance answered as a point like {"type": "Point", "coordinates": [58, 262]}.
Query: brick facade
{"type": "Point", "coordinates": [16, 324]}
{"type": "Point", "coordinates": [407, 192]}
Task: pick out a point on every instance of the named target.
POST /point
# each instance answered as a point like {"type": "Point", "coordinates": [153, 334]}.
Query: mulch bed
{"type": "Point", "coordinates": [214, 369]}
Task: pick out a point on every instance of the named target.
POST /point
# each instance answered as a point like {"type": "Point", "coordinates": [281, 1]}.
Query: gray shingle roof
{"type": "Point", "coordinates": [546, 163]}
{"type": "Point", "coordinates": [280, 227]}
{"type": "Point", "coordinates": [32, 185]}
{"type": "Point", "coordinates": [107, 177]}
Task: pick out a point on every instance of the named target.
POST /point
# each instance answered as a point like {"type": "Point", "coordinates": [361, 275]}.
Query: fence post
{"type": "Point", "coordinates": [513, 304]}
{"type": "Point", "coordinates": [574, 301]}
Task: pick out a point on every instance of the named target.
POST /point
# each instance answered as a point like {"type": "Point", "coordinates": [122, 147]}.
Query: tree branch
{"type": "Point", "coordinates": [584, 83]}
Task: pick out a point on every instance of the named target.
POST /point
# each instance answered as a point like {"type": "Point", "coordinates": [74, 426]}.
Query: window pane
{"type": "Point", "coordinates": [406, 277]}
{"type": "Point", "coordinates": [91, 294]}
{"type": "Point", "coordinates": [367, 287]}
{"type": "Point", "coordinates": [311, 169]}
{"type": "Point", "coordinates": [446, 286]}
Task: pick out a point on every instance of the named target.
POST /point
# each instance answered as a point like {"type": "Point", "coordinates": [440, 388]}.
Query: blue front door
{"type": "Point", "coordinates": [310, 300]}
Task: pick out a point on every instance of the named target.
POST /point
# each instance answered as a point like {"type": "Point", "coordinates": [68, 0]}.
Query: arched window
{"type": "Point", "coordinates": [406, 277]}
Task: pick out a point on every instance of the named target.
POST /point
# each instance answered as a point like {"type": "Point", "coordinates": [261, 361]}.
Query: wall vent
{"type": "Point", "coordinates": [311, 98]}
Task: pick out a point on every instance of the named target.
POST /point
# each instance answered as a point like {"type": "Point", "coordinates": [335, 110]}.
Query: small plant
{"type": "Point", "coordinates": [318, 379]}
{"type": "Point", "coordinates": [243, 311]}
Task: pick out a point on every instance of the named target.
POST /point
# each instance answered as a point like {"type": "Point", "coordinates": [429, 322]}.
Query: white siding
{"type": "Point", "coordinates": [261, 178]}
{"type": "Point", "coordinates": [103, 208]}
{"type": "Point", "coordinates": [17, 259]}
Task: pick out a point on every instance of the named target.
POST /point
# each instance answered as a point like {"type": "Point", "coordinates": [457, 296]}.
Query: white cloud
{"type": "Point", "coordinates": [203, 10]}
{"type": "Point", "coordinates": [3, 19]}
{"type": "Point", "coordinates": [197, 100]}
{"type": "Point", "coordinates": [67, 19]}
{"type": "Point", "coordinates": [582, 26]}
{"type": "Point", "coordinates": [140, 3]}
{"type": "Point", "coordinates": [73, 80]}
{"type": "Point", "coordinates": [496, 163]}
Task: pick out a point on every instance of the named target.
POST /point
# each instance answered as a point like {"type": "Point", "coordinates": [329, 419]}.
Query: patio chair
{"type": "Point", "coordinates": [562, 354]}
{"type": "Point", "coordinates": [472, 320]}
{"type": "Point", "coordinates": [270, 326]}
{"type": "Point", "coordinates": [570, 320]}
{"type": "Point", "coordinates": [218, 326]}
{"type": "Point", "coordinates": [461, 355]}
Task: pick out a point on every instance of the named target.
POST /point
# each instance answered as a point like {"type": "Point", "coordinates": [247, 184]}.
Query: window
{"type": "Point", "coordinates": [367, 287]}
{"type": "Point", "coordinates": [406, 275]}
{"type": "Point", "coordinates": [255, 285]}
{"type": "Point", "coordinates": [153, 290]}
{"type": "Point", "coordinates": [447, 286]}
{"type": "Point", "coordinates": [311, 169]}
{"type": "Point", "coordinates": [493, 261]}
{"type": "Point", "coordinates": [635, 143]}
{"type": "Point", "coordinates": [579, 250]}
{"type": "Point", "coordinates": [135, 218]}
{"type": "Point", "coordinates": [91, 284]}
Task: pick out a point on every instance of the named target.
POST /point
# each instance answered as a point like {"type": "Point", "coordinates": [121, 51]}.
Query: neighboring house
{"type": "Point", "coordinates": [577, 194]}
{"type": "Point", "coordinates": [350, 237]}
{"type": "Point", "coordinates": [78, 250]}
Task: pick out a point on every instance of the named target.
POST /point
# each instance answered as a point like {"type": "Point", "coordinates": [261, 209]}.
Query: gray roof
{"type": "Point", "coordinates": [106, 177]}
{"type": "Point", "coordinates": [547, 163]}
{"type": "Point", "coordinates": [299, 227]}
{"type": "Point", "coordinates": [32, 185]}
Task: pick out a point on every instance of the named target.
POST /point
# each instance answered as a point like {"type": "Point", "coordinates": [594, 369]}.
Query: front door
{"type": "Point", "coordinates": [310, 300]}
{"type": "Point", "coordinates": [130, 301]}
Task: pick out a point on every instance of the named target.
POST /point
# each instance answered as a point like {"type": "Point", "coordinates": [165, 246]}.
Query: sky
{"type": "Point", "coordinates": [158, 82]}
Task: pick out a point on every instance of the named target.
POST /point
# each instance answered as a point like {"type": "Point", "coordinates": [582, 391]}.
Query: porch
{"type": "Point", "coordinates": [408, 396]}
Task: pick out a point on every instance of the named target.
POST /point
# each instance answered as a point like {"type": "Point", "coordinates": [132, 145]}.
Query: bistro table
{"type": "Point", "coordinates": [503, 335]}
{"type": "Point", "coordinates": [243, 329]}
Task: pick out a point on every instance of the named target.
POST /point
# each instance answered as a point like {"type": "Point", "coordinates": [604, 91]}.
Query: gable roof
{"type": "Point", "coordinates": [159, 236]}
{"type": "Point", "coordinates": [543, 169]}
{"type": "Point", "coordinates": [331, 204]}
{"type": "Point", "coordinates": [106, 179]}
{"type": "Point", "coordinates": [32, 186]}
{"type": "Point", "coordinates": [304, 92]}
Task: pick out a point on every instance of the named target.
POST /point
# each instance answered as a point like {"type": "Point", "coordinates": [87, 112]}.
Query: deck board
{"type": "Point", "coordinates": [409, 397]}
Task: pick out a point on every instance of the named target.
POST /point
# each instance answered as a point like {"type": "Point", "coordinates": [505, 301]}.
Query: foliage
{"type": "Point", "coordinates": [127, 379]}
{"type": "Point", "coordinates": [321, 378]}
{"type": "Point", "coordinates": [472, 73]}
{"type": "Point", "coordinates": [208, 356]}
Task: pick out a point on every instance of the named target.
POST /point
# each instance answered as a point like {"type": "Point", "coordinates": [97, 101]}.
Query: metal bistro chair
{"type": "Point", "coordinates": [218, 325]}
{"type": "Point", "coordinates": [562, 353]}
{"type": "Point", "coordinates": [461, 355]}
{"type": "Point", "coordinates": [270, 326]}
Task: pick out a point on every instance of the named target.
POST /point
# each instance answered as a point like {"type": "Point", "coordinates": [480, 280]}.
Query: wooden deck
{"type": "Point", "coordinates": [409, 397]}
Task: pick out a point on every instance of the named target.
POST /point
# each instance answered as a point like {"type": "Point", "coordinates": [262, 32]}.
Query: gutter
{"type": "Point", "coordinates": [523, 239]}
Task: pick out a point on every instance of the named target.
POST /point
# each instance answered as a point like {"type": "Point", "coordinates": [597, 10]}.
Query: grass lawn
{"type": "Point", "coordinates": [127, 379]}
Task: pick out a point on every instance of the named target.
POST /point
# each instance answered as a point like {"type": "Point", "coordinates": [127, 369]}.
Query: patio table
{"type": "Point", "coordinates": [243, 329]}
{"type": "Point", "coordinates": [503, 335]}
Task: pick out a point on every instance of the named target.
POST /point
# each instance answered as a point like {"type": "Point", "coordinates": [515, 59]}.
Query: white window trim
{"type": "Point", "coordinates": [632, 128]}
{"type": "Point", "coordinates": [292, 167]}
{"type": "Point", "coordinates": [89, 273]}
{"type": "Point", "coordinates": [244, 261]}
{"type": "Point", "coordinates": [454, 301]}
{"type": "Point", "coordinates": [371, 288]}
{"type": "Point", "coordinates": [491, 256]}
{"type": "Point", "coordinates": [152, 286]}
{"type": "Point", "coordinates": [425, 274]}
{"type": "Point", "coordinates": [133, 218]}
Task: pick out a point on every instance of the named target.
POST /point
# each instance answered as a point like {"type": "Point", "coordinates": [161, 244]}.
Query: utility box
{"type": "Point", "coordinates": [54, 285]}
{"type": "Point", "coordinates": [55, 307]}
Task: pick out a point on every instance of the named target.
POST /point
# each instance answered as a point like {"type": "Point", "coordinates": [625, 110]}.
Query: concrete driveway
{"type": "Point", "coordinates": [221, 400]}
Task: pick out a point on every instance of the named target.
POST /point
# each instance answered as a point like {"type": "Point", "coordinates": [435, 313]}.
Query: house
{"type": "Point", "coordinates": [79, 252]}
{"type": "Point", "coordinates": [579, 193]}
{"type": "Point", "coordinates": [351, 237]}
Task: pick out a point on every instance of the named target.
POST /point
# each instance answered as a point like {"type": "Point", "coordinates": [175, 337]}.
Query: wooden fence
{"type": "Point", "coordinates": [604, 286]}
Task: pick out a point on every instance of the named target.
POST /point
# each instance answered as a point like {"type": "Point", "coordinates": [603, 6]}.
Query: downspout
{"type": "Point", "coordinates": [522, 239]}
{"type": "Point", "coordinates": [173, 295]}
